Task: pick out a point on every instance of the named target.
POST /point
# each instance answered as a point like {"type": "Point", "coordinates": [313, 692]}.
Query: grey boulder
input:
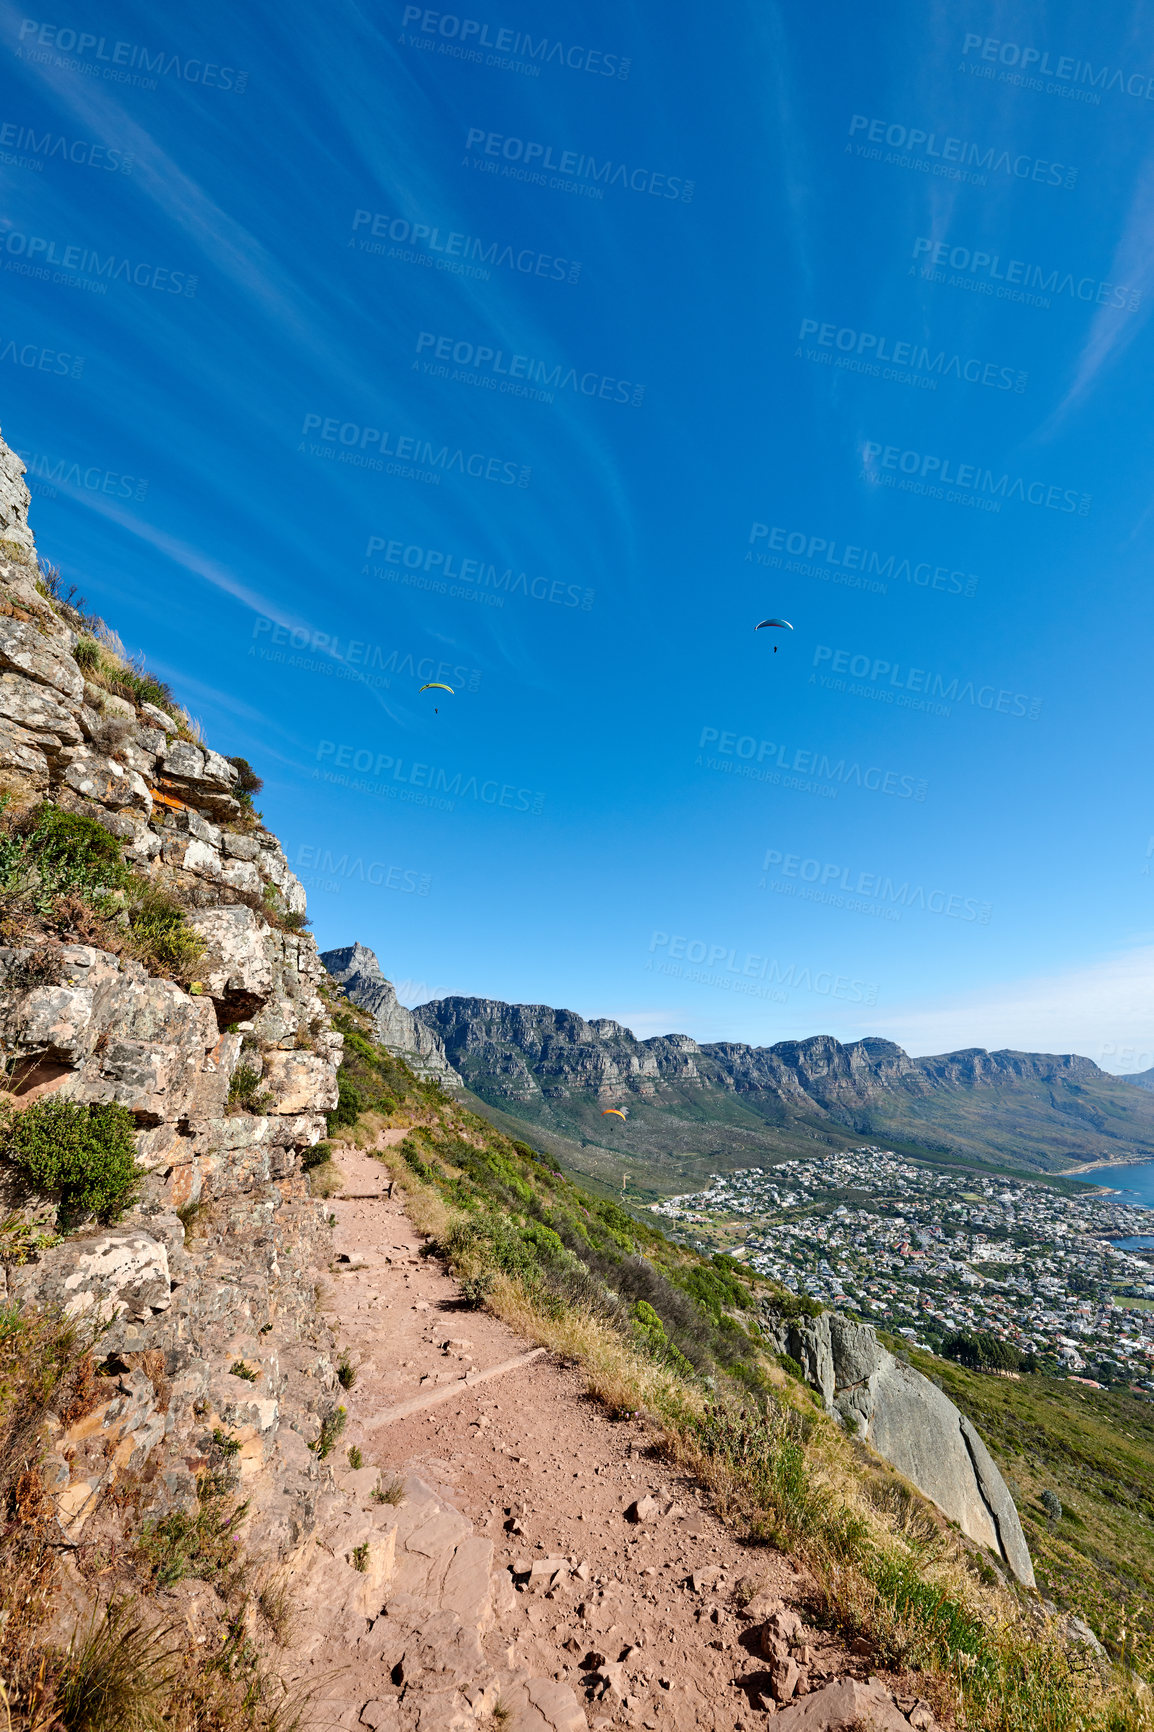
{"type": "Point", "coordinates": [911, 1423]}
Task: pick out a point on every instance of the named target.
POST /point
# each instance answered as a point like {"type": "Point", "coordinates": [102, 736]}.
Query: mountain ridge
{"type": "Point", "coordinates": [560, 1070]}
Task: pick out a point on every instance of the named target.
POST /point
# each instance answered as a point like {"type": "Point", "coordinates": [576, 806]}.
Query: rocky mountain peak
{"type": "Point", "coordinates": [355, 968]}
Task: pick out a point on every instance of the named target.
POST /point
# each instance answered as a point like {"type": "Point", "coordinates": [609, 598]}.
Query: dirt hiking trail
{"type": "Point", "coordinates": [542, 1571]}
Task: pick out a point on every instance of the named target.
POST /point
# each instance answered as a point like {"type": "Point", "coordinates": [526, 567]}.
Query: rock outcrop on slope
{"type": "Point", "coordinates": [1039, 1109]}
{"type": "Point", "coordinates": [908, 1420]}
{"type": "Point", "coordinates": [213, 1264]}
{"type": "Point", "coordinates": [356, 970]}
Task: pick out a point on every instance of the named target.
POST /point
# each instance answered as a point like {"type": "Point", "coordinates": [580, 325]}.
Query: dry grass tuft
{"type": "Point", "coordinates": [277, 1608]}
{"type": "Point", "coordinates": [119, 1677]}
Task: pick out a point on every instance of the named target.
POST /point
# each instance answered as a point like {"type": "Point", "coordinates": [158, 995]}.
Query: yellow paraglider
{"type": "Point", "coordinates": [605, 1111]}
{"type": "Point", "coordinates": [437, 686]}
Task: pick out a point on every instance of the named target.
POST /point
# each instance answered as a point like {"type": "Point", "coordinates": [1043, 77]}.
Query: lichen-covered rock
{"type": "Point", "coordinates": [109, 1272]}
{"type": "Point", "coordinates": [38, 709]}
{"type": "Point", "coordinates": [298, 1080]}
{"type": "Point", "coordinates": [14, 502]}
{"type": "Point", "coordinates": [27, 649]}
{"type": "Point", "coordinates": [236, 971]}
{"type": "Point", "coordinates": [109, 783]}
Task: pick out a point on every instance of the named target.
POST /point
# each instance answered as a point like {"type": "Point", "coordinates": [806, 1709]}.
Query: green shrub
{"type": "Point", "coordinates": [244, 1091]}
{"type": "Point", "coordinates": [131, 680]}
{"type": "Point", "coordinates": [87, 653]}
{"type": "Point", "coordinates": [316, 1156]}
{"type": "Point", "coordinates": [346, 1372]}
{"type": "Point", "coordinates": [80, 1153]}
{"type": "Point", "coordinates": [57, 853]}
{"type": "Point", "coordinates": [350, 1103]}
{"type": "Point", "coordinates": [249, 782]}
{"type": "Point", "coordinates": [356, 1457]}
{"type": "Point", "coordinates": [201, 1543]}
{"type": "Point", "coordinates": [650, 1331]}
{"type": "Point", "coordinates": [163, 939]}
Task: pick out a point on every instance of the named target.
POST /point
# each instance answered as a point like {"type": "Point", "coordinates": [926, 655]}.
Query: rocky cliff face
{"type": "Point", "coordinates": [356, 970]}
{"type": "Point", "coordinates": [229, 1277]}
{"type": "Point", "coordinates": [530, 1047]}
{"type": "Point", "coordinates": [1040, 1107]}
{"type": "Point", "coordinates": [910, 1422]}
{"type": "Point", "coordinates": [522, 1050]}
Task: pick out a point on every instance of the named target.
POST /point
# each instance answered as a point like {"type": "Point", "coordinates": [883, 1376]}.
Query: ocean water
{"type": "Point", "coordinates": [1134, 1185]}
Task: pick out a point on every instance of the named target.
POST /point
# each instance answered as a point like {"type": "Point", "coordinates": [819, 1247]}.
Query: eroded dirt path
{"type": "Point", "coordinates": [511, 1576]}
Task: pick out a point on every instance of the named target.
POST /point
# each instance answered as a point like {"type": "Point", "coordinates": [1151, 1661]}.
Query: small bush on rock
{"type": "Point", "coordinates": [80, 1153]}
{"type": "Point", "coordinates": [162, 938]}
{"type": "Point", "coordinates": [244, 1091]}
{"type": "Point", "coordinates": [51, 853]}
{"type": "Point", "coordinates": [332, 1425]}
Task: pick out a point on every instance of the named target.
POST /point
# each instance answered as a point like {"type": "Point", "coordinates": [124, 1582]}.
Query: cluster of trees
{"type": "Point", "coordinates": [981, 1351]}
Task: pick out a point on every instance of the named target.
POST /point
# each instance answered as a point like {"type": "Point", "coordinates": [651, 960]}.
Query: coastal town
{"type": "Point", "coordinates": [1063, 1274]}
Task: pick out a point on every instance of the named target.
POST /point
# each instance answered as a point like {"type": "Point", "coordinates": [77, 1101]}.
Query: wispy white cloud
{"type": "Point", "coordinates": [1104, 1011]}
{"type": "Point", "coordinates": [1111, 331]}
{"type": "Point", "coordinates": [199, 564]}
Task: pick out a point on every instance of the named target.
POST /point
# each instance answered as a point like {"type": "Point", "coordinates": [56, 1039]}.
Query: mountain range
{"type": "Point", "coordinates": [690, 1106]}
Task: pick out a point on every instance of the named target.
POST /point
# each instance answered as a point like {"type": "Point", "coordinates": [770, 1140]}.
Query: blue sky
{"type": "Point", "coordinates": [545, 351]}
